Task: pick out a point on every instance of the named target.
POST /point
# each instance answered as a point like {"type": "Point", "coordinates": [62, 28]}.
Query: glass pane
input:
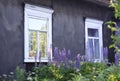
{"type": "Point", "coordinates": [91, 51]}
{"type": "Point", "coordinates": [32, 43]}
{"type": "Point", "coordinates": [93, 32]}
{"type": "Point", "coordinates": [38, 24]}
{"type": "Point", "coordinates": [97, 51]}
{"type": "Point", "coordinates": [43, 44]}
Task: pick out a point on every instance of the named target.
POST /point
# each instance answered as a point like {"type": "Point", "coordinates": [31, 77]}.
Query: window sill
{"type": "Point", "coordinates": [37, 60]}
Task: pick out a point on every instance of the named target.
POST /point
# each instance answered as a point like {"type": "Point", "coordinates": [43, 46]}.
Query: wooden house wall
{"type": "Point", "coordinates": [68, 27]}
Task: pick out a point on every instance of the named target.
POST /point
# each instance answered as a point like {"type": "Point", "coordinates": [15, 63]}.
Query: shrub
{"type": "Point", "coordinates": [52, 72]}
{"type": "Point", "coordinates": [110, 74]}
{"type": "Point", "coordinates": [92, 70]}
{"type": "Point", "coordinates": [78, 77]}
{"type": "Point", "coordinates": [20, 74]}
{"type": "Point", "coordinates": [42, 72]}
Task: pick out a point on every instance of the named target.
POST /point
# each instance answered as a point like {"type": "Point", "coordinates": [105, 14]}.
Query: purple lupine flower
{"type": "Point", "coordinates": [69, 55]}
{"type": "Point", "coordinates": [78, 61]}
{"type": "Point", "coordinates": [35, 60]}
{"type": "Point", "coordinates": [86, 58]}
{"type": "Point", "coordinates": [24, 66]}
{"type": "Point", "coordinates": [105, 53]}
{"type": "Point", "coordinates": [56, 53]}
{"type": "Point", "coordinates": [118, 45]}
{"type": "Point", "coordinates": [83, 58]}
{"type": "Point", "coordinates": [117, 56]}
{"type": "Point", "coordinates": [39, 58]}
{"type": "Point", "coordinates": [63, 55]}
{"type": "Point", "coordinates": [60, 56]}
{"type": "Point", "coordinates": [49, 54]}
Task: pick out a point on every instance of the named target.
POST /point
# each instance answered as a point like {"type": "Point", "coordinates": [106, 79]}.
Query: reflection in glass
{"type": "Point", "coordinates": [32, 43]}
{"type": "Point", "coordinates": [93, 32]}
{"type": "Point", "coordinates": [43, 44]}
{"type": "Point", "coordinates": [96, 43]}
{"type": "Point", "coordinates": [91, 51]}
{"type": "Point", "coordinates": [38, 24]}
{"type": "Point", "coordinates": [37, 37]}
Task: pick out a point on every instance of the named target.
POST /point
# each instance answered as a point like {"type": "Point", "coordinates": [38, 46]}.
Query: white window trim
{"type": "Point", "coordinates": [35, 11]}
{"type": "Point", "coordinates": [94, 24]}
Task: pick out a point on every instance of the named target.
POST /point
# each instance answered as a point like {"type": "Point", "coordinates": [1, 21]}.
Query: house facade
{"type": "Point", "coordinates": [28, 28]}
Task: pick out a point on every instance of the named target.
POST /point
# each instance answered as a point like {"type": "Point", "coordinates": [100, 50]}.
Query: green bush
{"type": "Point", "coordinates": [53, 73]}
{"type": "Point", "coordinates": [88, 72]}
{"type": "Point", "coordinates": [110, 74]}
{"type": "Point", "coordinates": [43, 72]}
{"type": "Point", "coordinates": [20, 74]}
{"type": "Point", "coordinates": [78, 77]}
{"type": "Point", "coordinates": [92, 70]}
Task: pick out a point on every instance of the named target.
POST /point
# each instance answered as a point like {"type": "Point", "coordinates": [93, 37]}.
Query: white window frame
{"type": "Point", "coordinates": [94, 24]}
{"type": "Point", "coordinates": [35, 11]}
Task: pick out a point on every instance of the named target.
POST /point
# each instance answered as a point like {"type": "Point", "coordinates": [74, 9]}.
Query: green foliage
{"type": "Point", "coordinates": [53, 73]}
{"type": "Point", "coordinates": [20, 74]}
{"type": "Point", "coordinates": [116, 6]}
{"type": "Point", "coordinates": [110, 74]}
{"type": "Point", "coordinates": [92, 70]}
{"type": "Point", "coordinates": [113, 26]}
{"type": "Point", "coordinates": [115, 38]}
{"type": "Point", "coordinates": [67, 74]}
{"type": "Point", "coordinates": [88, 72]}
{"type": "Point", "coordinates": [43, 72]}
{"type": "Point", "coordinates": [78, 78]}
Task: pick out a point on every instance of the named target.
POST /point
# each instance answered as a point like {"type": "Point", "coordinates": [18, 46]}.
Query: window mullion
{"type": "Point", "coordinates": [47, 36]}
{"type": "Point", "coordinates": [38, 43]}
{"type": "Point", "coordinates": [93, 48]}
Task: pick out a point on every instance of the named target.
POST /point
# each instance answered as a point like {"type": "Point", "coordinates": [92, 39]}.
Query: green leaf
{"type": "Point", "coordinates": [112, 46]}
{"type": "Point", "coordinates": [111, 23]}
{"type": "Point", "coordinates": [113, 36]}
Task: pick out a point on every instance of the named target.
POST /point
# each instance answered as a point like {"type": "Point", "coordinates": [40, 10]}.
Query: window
{"type": "Point", "coordinates": [37, 33]}
{"type": "Point", "coordinates": [93, 40]}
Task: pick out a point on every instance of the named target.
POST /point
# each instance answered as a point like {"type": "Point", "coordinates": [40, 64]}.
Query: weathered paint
{"type": "Point", "coordinates": [68, 27]}
{"type": "Point", "coordinates": [11, 35]}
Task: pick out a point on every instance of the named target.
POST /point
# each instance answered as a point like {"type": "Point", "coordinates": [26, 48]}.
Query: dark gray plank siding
{"type": "Point", "coordinates": [68, 27]}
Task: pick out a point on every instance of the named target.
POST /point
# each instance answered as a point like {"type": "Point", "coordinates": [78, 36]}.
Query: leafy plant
{"type": "Point", "coordinates": [116, 5]}
{"type": "Point", "coordinates": [52, 72]}
{"type": "Point", "coordinates": [20, 74]}
{"type": "Point", "coordinates": [43, 72]}
{"type": "Point", "coordinates": [110, 74]}
{"type": "Point", "coordinates": [115, 36]}
{"type": "Point", "coordinates": [92, 70]}
{"type": "Point", "coordinates": [78, 77]}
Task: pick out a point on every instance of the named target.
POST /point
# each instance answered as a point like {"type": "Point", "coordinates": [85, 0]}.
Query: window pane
{"type": "Point", "coordinates": [38, 24]}
{"type": "Point", "coordinates": [97, 51]}
{"type": "Point", "coordinates": [32, 43]}
{"type": "Point", "coordinates": [43, 44]}
{"type": "Point", "coordinates": [93, 32]}
{"type": "Point", "coordinates": [91, 51]}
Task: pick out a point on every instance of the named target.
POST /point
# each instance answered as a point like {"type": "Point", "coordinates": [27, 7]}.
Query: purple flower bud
{"type": "Point", "coordinates": [35, 60]}
{"type": "Point", "coordinates": [50, 54]}
{"type": "Point", "coordinates": [105, 53]}
{"type": "Point", "coordinates": [60, 56]}
{"type": "Point", "coordinates": [117, 56]}
{"type": "Point", "coordinates": [69, 55]}
{"type": "Point", "coordinates": [78, 61]}
{"type": "Point", "coordinates": [64, 54]}
{"type": "Point", "coordinates": [24, 66]}
{"type": "Point", "coordinates": [56, 53]}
